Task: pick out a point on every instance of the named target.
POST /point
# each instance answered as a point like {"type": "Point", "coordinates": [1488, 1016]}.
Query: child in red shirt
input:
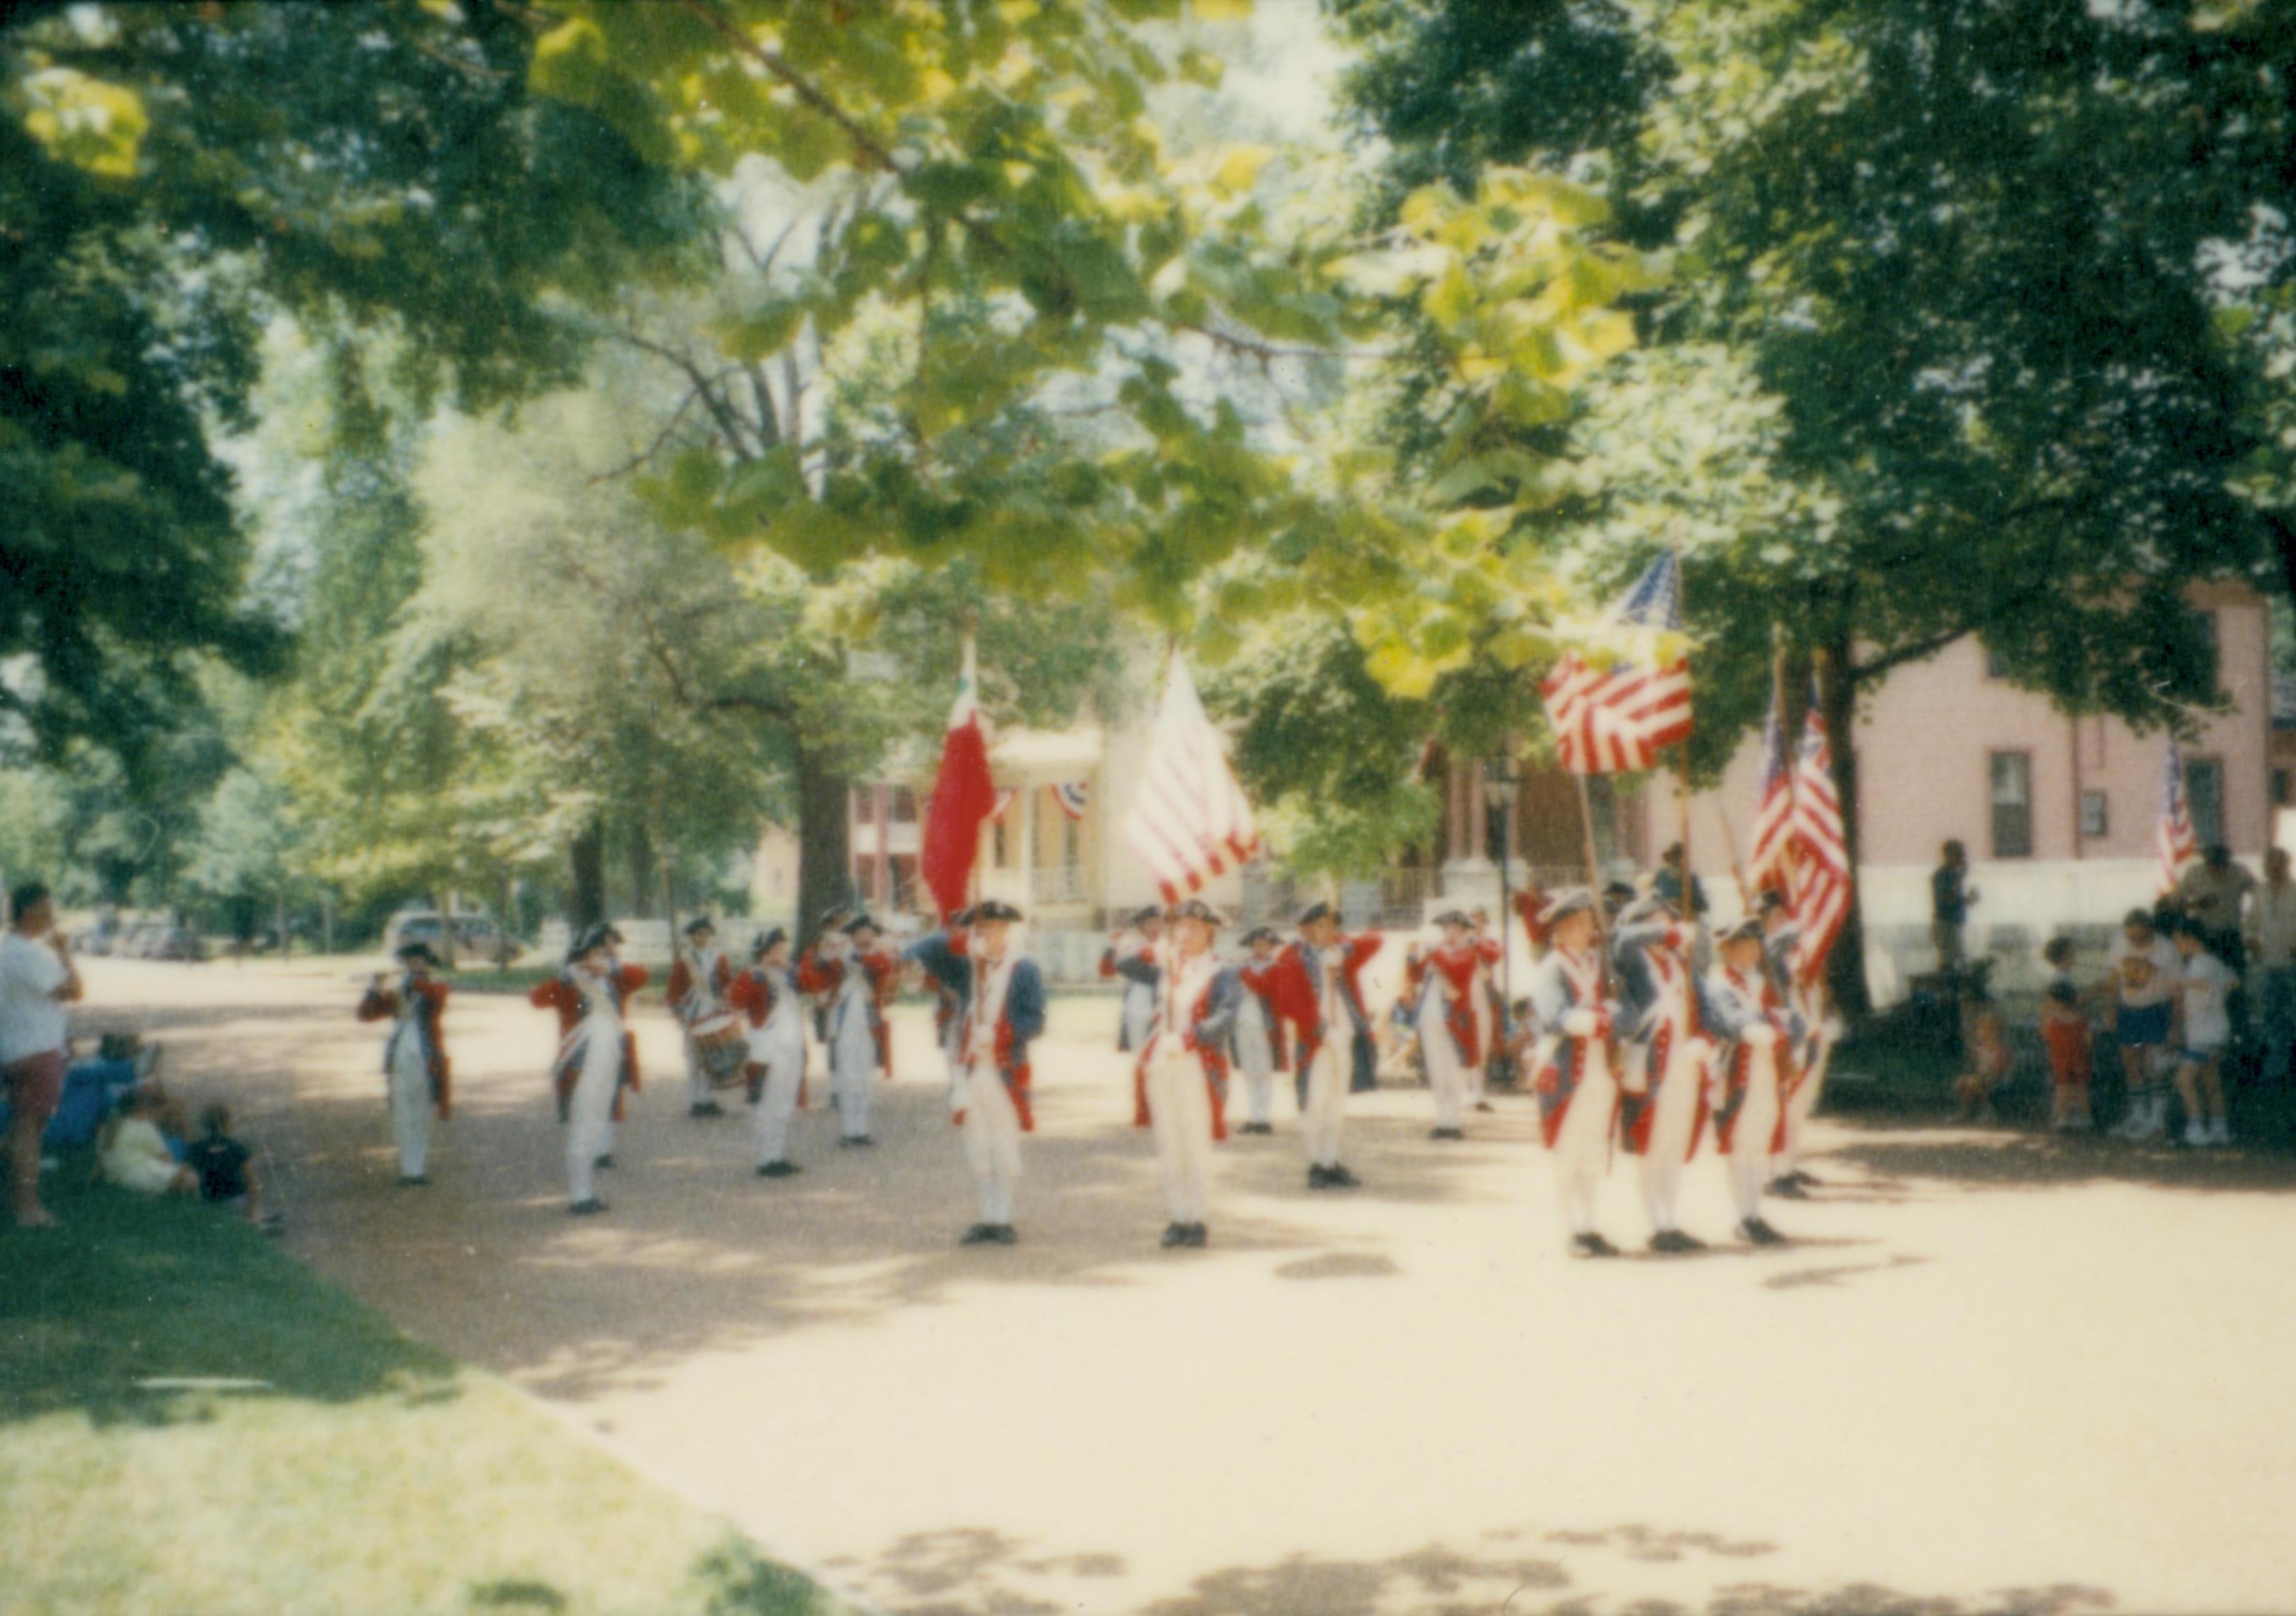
{"type": "Point", "coordinates": [2064, 1026]}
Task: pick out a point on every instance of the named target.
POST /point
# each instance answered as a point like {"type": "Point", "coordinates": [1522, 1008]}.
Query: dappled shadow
{"type": "Point", "coordinates": [1898, 1157]}
{"type": "Point", "coordinates": [1524, 1571]}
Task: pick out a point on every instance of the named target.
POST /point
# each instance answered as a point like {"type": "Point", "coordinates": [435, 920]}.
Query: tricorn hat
{"type": "Point", "coordinates": [700, 923]}
{"type": "Point", "coordinates": [861, 923]}
{"type": "Point", "coordinates": [1561, 905]}
{"type": "Point", "coordinates": [767, 939]}
{"type": "Point", "coordinates": [960, 920]}
{"type": "Point", "coordinates": [1455, 917]}
{"type": "Point", "coordinates": [411, 952]}
{"type": "Point", "coordinates": [1146, 912]}
{"type": "Point", "coordinates": [1654, 907]}
{"type": "Point", "coordinates": [1313, 912]}
{"type": "Point", "coordinates": [995, 908]}
{"type": "Point", "coordinates": [1196, 908]}
{"type": "Point", "coordinates": [1262, 934]}
{"type": "Point", "coordinates": [588, 940]}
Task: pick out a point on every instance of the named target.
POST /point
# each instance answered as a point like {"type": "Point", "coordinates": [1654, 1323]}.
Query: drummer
{"type": "Point", "coordinates": [699, 979]}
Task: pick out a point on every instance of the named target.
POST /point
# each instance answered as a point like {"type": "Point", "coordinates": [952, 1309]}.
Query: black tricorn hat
{"type": "Point", "coordinates": [1196, 908]}
{"type": "Point", "coordinates": [960, 919]}
{"type": "Point", "coordinates": [1146, 912]}
{"type": "Point", "coordinates": [588, 940]}
{"type": "Point", "coordinates": [700, 923]}
{"type": "Point", "coordinates": [1262, 934]}
{"type": "Point", "coordinates": [995, 908]}
{"type": "Point", "coordinates": [1455, 917]}
{"type": "Point", "coordinates": [1313, 912]}
{"type": "Point", "coordinates": [767, 939]}
{"type": "Point", "coordinates": [859, 923]}
{"type": "Point", "coordinates": [428, 956]}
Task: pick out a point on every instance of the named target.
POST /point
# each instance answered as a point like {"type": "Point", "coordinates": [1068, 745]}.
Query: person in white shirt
{"type": "Point", "coordinates": [2144, 969]}
{"type": "Point", "coordinates": [2272, 945]}
{"type": "Point", "coordinates": [2204, 984]}
{"type": "Point", "coordinates": [36, 981]}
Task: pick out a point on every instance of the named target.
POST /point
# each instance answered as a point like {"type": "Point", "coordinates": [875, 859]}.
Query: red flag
{"type": "Point", "coordinates": [964, 799]}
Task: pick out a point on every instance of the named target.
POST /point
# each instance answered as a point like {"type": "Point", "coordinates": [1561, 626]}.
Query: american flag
{"type": "Point", "coordinates": [1190, 821]}
{"type": "Point", "coordinates": [1774, 816]}
{"type": "Point", "coordinates": [2176, 843]}
{"type": "Point", "coordinates": [1611, 720]}
{"type": "Point", "coordinates": [1073, 796]}
{"type": "Point", "coordinates": [1821, 851]}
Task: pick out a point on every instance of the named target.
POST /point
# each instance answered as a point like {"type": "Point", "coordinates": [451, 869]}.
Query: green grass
{"type": "Point", "coordinates": [366, 1473]}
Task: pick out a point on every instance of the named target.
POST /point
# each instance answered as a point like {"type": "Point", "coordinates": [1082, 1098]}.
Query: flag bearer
{"type": "Point", "coordinates": [415, 1056]}
{"type": "Point", "coordinates": [1185, 1063]}
{"type": "Point", "coordinates": [699, 979]}
{"type": "Point", "coordinates": [1003, 1013]}
{"type": "Point", "coordinates": [1748, 1026]}
{"type": "Point", "coordinates": [1577, 1094]}
{"type": "Point", "coordinates": [1319, 986]}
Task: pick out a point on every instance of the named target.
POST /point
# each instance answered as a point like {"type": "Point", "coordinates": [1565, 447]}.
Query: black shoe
{"type": "Point", "coordinates": [979, 1234]}
{"type": "Point", "coordinates": [1194, 1235]}
{"type": "Point", "coordinates": [407, 1181]}
{"type": "Point", "coordinates": [705, 1108]}
{"type": "Point", "coordinates": [1755, 1231]}
{"type": "Point", "coordinates": [1176, 1234]}
{"type": "Point", "coordinates": [1591, 1245]}
{"type": "Point", "coordinates": [1668, 1242]}
{"type": "Point", "coordinates": [1007, 1234]}
{"type": "Point", "coordinates": [1446, 1133]}
{"type": "Point", "coordinates": [1787, 1189]}
{"type": "Point", "coordinates": [584, 1209]}
{"type": "Point", "coordinates": [1687, 1243]}
{"type": "Point", "coordinates": [857, 1141]}
{"type": "Point", "coordinates": [777, 1169]}
{"type": "Point", "coordinates": [1319, 1177]}
{"type": "Point", "coordinates": [1806, 1180]}
{"type": "Point", "coordinates": [605, 1160]}
{"type": "Point", "coordinates": [1259, 1128]}
{"type": "Point", "coordinates": [1340, 1178]}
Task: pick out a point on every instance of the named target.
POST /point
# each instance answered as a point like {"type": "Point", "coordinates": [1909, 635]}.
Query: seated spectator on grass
{"type": "Point", "coordinates": [133, 1154]}
{"type": "Point", "coordinates": [225, 1167]}
{"type": "Point", "coordinates": [2204, 986]}
{"type": "Point", "coordinates": [2073, 1058]}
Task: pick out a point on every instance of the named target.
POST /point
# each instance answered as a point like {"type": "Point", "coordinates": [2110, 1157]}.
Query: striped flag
{"type": "Point", "coordinates": [1614, 719]}
{"type": "Point", "coordinates": [1821, 851]}
{"type": "Point", "coordinates": [2176, 842]}
{"type": "Point", "coordinates": [1073, 796]}
{"type": "Point", "coordinates": [1773, 814]}
{"type": "Point", "coordinates": [1190, 821]}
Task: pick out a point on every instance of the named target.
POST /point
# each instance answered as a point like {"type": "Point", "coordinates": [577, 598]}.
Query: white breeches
{"type": "Point", "coordinates": [781, 1051]}
{"type": "Point", "coordinates": [590, 1113]}
{"type": "Point", "coordinates": [1486, 1040]}
{"type": "Point", "coordinates": [852, 1063]}
{"type": "Point", "coordinates": [1675, 1112]}
{"type": "Point", "coordinates": [1804, 1103]}
{"type": "Point", "coordinates": [1327, 1102]}
{"type": "Point", "coordinates": [698, 1087]}
{"type": "Point", "coordinates": [992, 1141]}
{"type": "Point", "coordinates": [1758, 1122]}
{"type": "Point", "coordinates": [1139, 1015]}
{"type": "Point", "coordinates": [1582, 1149]}
{"type": "Point", "coordinates": [1180, 1112]}
{"type": "Point", "coordinates": [1256, 1055]}
{"type": "Point", "coordinates": [1448, 1071]}
{"type": "Point", "coordinates": [411, 1108]}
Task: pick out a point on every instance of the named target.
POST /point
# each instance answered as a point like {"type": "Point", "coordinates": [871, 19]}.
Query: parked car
{"type": "Point", "coordinates": [476, 936]}
{"type": "Point", "coordinates": [158, 940]}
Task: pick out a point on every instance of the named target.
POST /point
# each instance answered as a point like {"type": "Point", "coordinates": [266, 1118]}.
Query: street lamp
{"type": "Point", "coordinates": [1500, 788]}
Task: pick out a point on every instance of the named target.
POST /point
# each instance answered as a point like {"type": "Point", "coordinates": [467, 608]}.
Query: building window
{"type": "Point", "coordinates": [1071, 852]}
{"type": "Point", "coordinates": [2095, 822]}
{"type": "Point", "coordinates": [2204, 792]}
{"type": "Point", "coordinates": [2010, 775]}
{"type": "Point", "coordinates": [904, 806]}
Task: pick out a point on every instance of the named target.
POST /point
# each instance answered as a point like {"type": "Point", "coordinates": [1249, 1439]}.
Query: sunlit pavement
{"type": "Point", "coordinates": [1991, 1372]}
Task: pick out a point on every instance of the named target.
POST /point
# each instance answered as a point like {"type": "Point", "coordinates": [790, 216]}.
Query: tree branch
{"type": "Point", "coordinates": [654, 448]}
{"type": "Point", "coordinates": [811, 94]}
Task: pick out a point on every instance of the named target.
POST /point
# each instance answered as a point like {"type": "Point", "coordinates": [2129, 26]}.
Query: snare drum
{"type": "Point", "coordinates": [723, 1049]}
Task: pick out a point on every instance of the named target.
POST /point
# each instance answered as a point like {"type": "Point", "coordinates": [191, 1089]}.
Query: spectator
{"type": "Point", "coordinates": [2272, 945]}
{"type": "Point", "coordinates": [133, 1154]}
{"type": "Point", "coordinates": [36, 982]}
{"type": "Point", "coordinates": [1950, 897]}
{"type": "Point", "coordinates": [2210, 895]}
{"type": "Point", "coordinates": [2204, 985]}
{"type": "Point", "coordinates": [226, 1168]}
{"type": "Point", "coordinates": [2073, 1058]}
{"type": "Point", "coordinates": [2145, 969]}
{"type": "Point", "coordinates": [1987, 1044]}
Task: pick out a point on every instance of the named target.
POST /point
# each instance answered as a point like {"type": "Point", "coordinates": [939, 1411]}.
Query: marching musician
{"type": "Point", "coordinates": [1577, 1094]}
{"type": "Point", "coordinates": [1260, 1041]}
{"type": "Point", "coordinates": [767, 996]}
{"type": "Point", "coordinates": [699, 979]}
{"type": "Point", "coordinates": [1183, 1063]}
{"type": "Point", "coordinates": [1663, 1102]}
{"type": "Point", "coordinates": [593, 1065]}
{"type": "Point", "coordinates": [841, 982]}
{"type": "Point", "coordinates": [420, 1080]}
{"type": "Point", "coordinates": [1318, 984]}
{"type": "Point", "coordinates": [1450, 1029]}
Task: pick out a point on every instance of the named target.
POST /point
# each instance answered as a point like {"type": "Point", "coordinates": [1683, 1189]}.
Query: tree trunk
{"type": "Point", "coordinates": [1853, 996]}
{"type": "Point", "coordinates": [637, 846]}
{"type": "Point", "coordinates": [587, 900]}
{"type": "Point", "coordinates": [825, 839]}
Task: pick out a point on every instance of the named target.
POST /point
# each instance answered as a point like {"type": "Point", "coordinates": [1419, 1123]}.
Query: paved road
{"type": "Point", "coordinates": [1992, 1373]}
